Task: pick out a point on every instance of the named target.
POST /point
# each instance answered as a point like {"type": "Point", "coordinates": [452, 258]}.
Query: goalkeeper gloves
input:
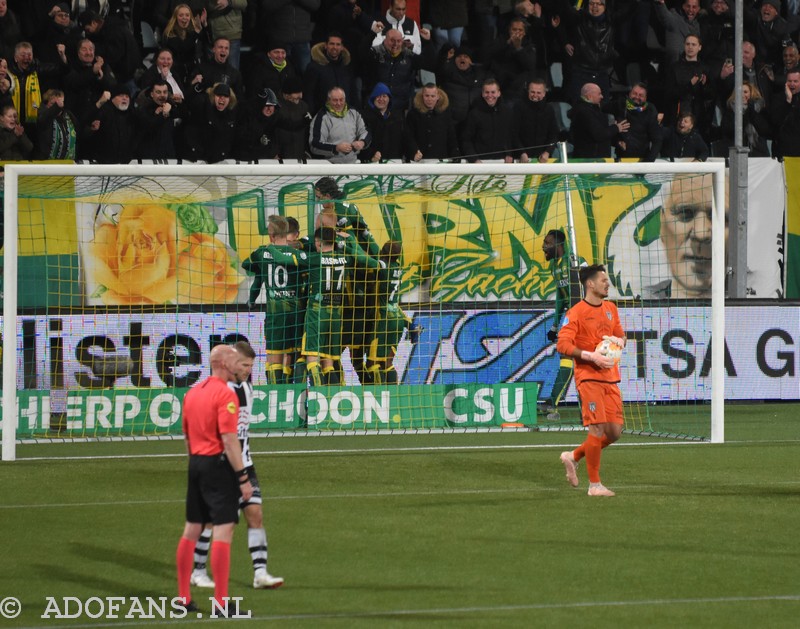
{"type": "Point", "coordinates": [615, 340]}
{"type": "Point", "coordinates": [552, 334]}
{"type": "Point", "coordinates": [602, 361]}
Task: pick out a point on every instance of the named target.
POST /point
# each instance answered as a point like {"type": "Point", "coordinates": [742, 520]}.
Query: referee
{"type": "Point", "coordinates": [217, 476]}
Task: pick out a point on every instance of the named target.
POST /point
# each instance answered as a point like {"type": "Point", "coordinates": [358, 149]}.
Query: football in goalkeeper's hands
{"type": "Point", "coordinates": [607, 348]}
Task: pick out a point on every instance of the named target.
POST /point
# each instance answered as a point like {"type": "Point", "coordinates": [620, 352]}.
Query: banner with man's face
{"type": "Point", "coordinates": [172, 241]}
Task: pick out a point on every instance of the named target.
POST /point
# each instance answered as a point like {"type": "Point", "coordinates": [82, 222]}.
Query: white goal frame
{"type": "Point", "coordinates": [314, 170]}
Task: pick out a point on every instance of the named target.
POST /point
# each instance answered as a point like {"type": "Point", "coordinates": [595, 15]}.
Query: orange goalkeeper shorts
{"type": "Point", "coordinates": [601, 403]}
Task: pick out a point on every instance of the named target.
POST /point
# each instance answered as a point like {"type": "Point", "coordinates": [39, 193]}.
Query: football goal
{"type": "Point", "coordinates": [378, 298]}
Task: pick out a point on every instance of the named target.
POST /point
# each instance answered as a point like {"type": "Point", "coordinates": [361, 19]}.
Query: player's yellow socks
{"type": "Point", "coordinates": [375, 373]}
{"type": "Point", "coordinates": [593, 448]}
{"type": "Point", "coordinates": [314, 372]}
{"type": "Point", "coordinates": [275, 373]}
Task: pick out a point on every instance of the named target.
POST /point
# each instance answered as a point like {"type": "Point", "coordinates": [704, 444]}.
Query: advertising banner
{"type": "Point", "coordinates": [289, 407]}
{"type": "Point", "coordinates": [463, 370]}
{"type": "Point", "coordinates": [162, 241]}
{"type": "Point", "coordinates": [668, 357]}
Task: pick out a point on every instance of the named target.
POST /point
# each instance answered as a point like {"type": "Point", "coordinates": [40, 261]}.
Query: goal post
{"type": "Point", "coordinates": [485, 207]}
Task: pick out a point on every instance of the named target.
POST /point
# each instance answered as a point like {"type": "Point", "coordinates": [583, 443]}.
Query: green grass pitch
{"type": "Point", "coordinates": [477, 530]}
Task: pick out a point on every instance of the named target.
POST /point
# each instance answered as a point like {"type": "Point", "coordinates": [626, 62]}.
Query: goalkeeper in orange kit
{"type": "Point", "coordinates": [597, 376]}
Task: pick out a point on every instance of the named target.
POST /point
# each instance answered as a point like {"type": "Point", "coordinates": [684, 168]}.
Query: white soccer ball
{"type": "Point", "coordinates": [607, 348]}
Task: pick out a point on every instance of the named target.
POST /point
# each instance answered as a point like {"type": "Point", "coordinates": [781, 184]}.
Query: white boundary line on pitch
{"type": "Point", "coordinates": [524, 446]}
{"type": "Point", "coordinates": [634, 489]}
{"type": "Point", "coordinates": [388, 494]}
{"type": "Point", "coordinates": [478, 609]}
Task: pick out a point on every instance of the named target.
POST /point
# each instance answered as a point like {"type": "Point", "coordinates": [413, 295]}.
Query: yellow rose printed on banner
{"type": "Point", "coordinates": [464, 238]}
{"type": "Point", "coordinates": [145, 255]}
{"type": "Point", "coordinates": [206, 273]}
{"type": "Point", "coordinates": [134, 258]}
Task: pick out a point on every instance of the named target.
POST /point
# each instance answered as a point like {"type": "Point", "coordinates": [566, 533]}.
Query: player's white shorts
{"type": "Point", "coordinates": [255, 499]}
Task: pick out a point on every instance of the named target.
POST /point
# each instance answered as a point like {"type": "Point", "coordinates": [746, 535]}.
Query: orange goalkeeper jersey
{"type": "Point", "coordinates": [584, 327]}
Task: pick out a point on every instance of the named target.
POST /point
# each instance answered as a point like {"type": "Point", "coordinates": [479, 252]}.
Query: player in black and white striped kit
{"type": "Point", "coordinates": [256, 535]}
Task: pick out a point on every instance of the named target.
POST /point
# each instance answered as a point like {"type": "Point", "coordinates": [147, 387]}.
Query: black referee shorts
{"type": "Point", "coordinates": [212, 495]}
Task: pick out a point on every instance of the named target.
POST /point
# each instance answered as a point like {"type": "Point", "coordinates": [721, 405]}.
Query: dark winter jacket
{"type": "Point", "coordinates": [115, 43]}
{"type": "Point", "coordinates": [211, 134]}
{"type": "Point", "coordinates": [116, 140]}
{"type": "Point", "coordinates": [717, 35]}
{"type": "Point", "coordinates": [10, 35]}
{"type": "Point", "coordinates": [513, 68]}
{"type": "Point", "coordinates": [593, 38]}
{"type": "Point", "coordinates": [683, 96]}
{"type": "Point", "coordinates": [387, 130]}
{"type": "Point", "coordinates": [256, 134]}
{"type": "Point", "coordinates": [786, 122]}
{"type": "Point", "coordinates": [432, 133]}
{"type": "Point", "coordinates": [643, 138]}
{"type": "Point", "coordinates": [536, 128]}
{"type": "Point", "coordinates": [57, 129]}
{"type": "Point", "coordinates": [186, 52]}
{"type": "Point", "coordinates": [323, 73]}
{"type": "Point", "coordinates": [14, 147]}
{"type": "Point", "coordinates": [756, 128]}
{"type": "Point", "coordinates": [591, 134]}
{"type": "Point", "coordinates": [292, 130]}
{"type": "Point", "coordinates": [83, 88]}
{"type": "Point", "coordinates": [263, 75]}
{"type": "Point", "coordinates": [463, 87]}
{"type": "Point", "coordinates": [448, 13]}
{"type": "Point", "coordinates": [214, 73]}
{"type": "Point", "coordinates": [682, 146]}
{"type": "Point", "coordinates": [488, 132]}
{"type": "Point", "coordinates": [156, 132]}
{"type": "Point", "coordinates": [288, 21]}
{"type": "Point", "coordinates": [46, 50]}
{"type": "Point", "coordinates": [398, 73]}
{"type": "Point", "coordinates": [767, 37]}
{"type": "Point", "coordinates": [354, 26]}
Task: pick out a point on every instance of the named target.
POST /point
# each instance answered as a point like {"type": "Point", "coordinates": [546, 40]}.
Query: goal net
{"type": "Point", "coordinates": [418, 297]}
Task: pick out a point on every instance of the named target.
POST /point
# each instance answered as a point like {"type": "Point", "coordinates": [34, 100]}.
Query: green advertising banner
{"type": "Point", "coordinates": [154, 412]}
{"type": "Point", "coordinates": [414, 407]}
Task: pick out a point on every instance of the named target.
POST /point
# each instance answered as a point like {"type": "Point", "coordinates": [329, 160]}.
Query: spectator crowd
{"type": "Point", "coordinates": [112, 81]}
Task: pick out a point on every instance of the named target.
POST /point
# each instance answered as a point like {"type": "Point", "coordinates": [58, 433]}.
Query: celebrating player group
{"type": "Point", "coordinates": [336, 290]}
